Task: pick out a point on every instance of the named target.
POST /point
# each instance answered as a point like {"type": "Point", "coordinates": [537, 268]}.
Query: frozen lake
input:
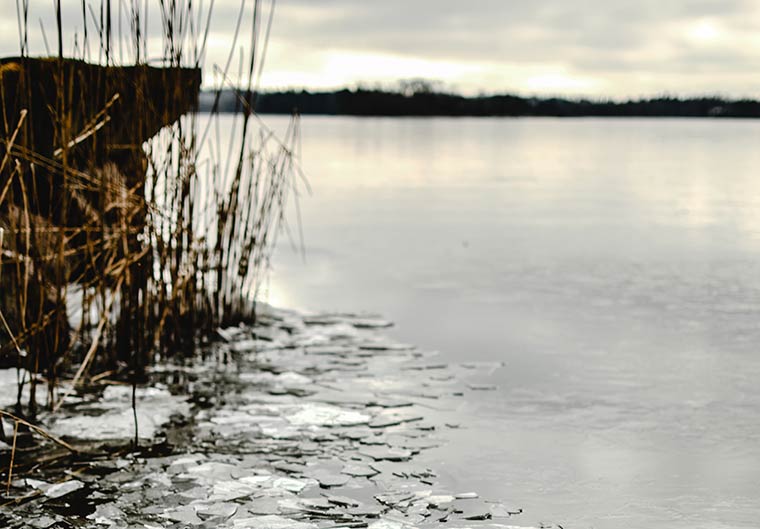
{"type": "Point", "coordinates": [613, 265]}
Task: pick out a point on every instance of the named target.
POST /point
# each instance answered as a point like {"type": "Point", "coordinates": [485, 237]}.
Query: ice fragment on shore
{"type": "Point", "coordinates": [115, 421]}
{"type": "Point", "coordinates": [323, 415]}
{"type": "Point", "coordinates": [385, 421]}
{"type": "Point", "coordinates": [365, 511]}
{"type": "Point", "coordinates": [289, 468]}
{"type": "Point", "coordinates": [232, 490]}
{"type": "Point", "coordinates": [380, 453]}
{"type": "Point", "coordinates": [389, 402]}
{"type": "Point", "coordinates": [185, 514]}
{"type": "Point", "coordinates": [289, 484]}
{"type": "Point", "coordinates": [411, 443]}
{"type": "Point", "coordinates": [262, 506]}
{"type": "Point", "coordinates": [360, 321]}
{"type": "Point", "coordinates": [388, 524]}
{"type": "Point", "coordinates": [61, 489]}
{"type": "Point", "coordinates": [393, 499]}
{"type": "Point", "coordinates": [196, 493]}
{"type": "Point", "coordinates": [316, 503]}
{"type": "Point", "coordinates": [271, 522]}
{"type": "Point", "coordinates": [220, 510]}
{"type": "Point", "coordinates": [328, 479]}
{"type": "Point", "coordinates": [499, 510]}
{"type": "Point", "coordinates": [328, 350]}
{"type": "Point", "coordinates": [466, 495]}
{"type": "Point", "coordinates": [119, 393]}
{"type": "Point", "coordinates": [359, 471]}
{"type": "Point", "coordinates": [342, 501]}
{"type": "Point", "coordinates": [107, 514]}
{"type": "Point", "coordinates": [189, 459]}
{"type": "Point", "coordinates": [288, 378]}
{"type": "Point", "coordinates": [385, 346]}
{"type": "Point", "coordinates": [371, 323]}
{"type": "Point", "coordinates": [212, 471]}
{"type": "Point", "coordinates": [36, 483]}
{"type": "Point", "coordinates": [439, 501]}
{"type": "Point", "coordinates": [473, 510]}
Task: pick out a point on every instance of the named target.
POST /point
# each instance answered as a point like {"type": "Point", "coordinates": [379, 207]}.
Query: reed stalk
{"type": "Point", "coordinates": [149, 235]}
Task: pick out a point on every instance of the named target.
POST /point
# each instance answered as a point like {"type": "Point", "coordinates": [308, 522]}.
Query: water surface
{"type": "Point", "coordinates": [612, 265]}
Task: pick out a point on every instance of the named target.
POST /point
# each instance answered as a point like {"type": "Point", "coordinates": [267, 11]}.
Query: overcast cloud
{"type": "Point", "coordinates": [600, 48]}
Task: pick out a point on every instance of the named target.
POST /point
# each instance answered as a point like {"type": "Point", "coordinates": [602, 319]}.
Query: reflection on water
{"type": "Point", "coordinates": [613, 265]}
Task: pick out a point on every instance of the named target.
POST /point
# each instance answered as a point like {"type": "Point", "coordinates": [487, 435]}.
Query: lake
{"type": "Point", "coordinates": [612, 265]}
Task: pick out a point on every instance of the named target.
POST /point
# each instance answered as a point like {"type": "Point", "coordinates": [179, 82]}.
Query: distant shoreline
{"type": "Point", "coordinates": [378, 103]}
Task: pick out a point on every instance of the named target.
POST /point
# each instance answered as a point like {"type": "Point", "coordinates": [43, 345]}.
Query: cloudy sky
{"type": "Point", "coordinates": [599, 48]}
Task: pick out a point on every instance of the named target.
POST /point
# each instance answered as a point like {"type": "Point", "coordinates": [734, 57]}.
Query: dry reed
{"type": "Point", "coordinates": [149, 242]}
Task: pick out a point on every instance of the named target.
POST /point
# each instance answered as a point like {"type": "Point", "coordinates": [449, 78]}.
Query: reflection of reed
{"type": "Point", "coordinates": [106, 208]}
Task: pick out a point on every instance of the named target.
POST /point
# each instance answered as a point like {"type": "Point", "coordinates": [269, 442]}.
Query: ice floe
{"type": "Point", "coordinates": [318, 426]}
{"type": "Point", "coordinates": [111, 417]}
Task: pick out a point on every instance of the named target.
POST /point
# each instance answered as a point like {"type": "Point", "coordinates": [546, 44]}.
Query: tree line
{"type": "Point", "coordinates": [378, 102]}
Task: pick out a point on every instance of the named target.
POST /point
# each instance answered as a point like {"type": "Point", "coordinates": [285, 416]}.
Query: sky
{"type": "Point", "coordinates": [596, 48]}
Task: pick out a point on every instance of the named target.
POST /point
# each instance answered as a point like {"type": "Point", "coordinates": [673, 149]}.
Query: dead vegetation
{"type": "Point", "coordinates": [129, 230]}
